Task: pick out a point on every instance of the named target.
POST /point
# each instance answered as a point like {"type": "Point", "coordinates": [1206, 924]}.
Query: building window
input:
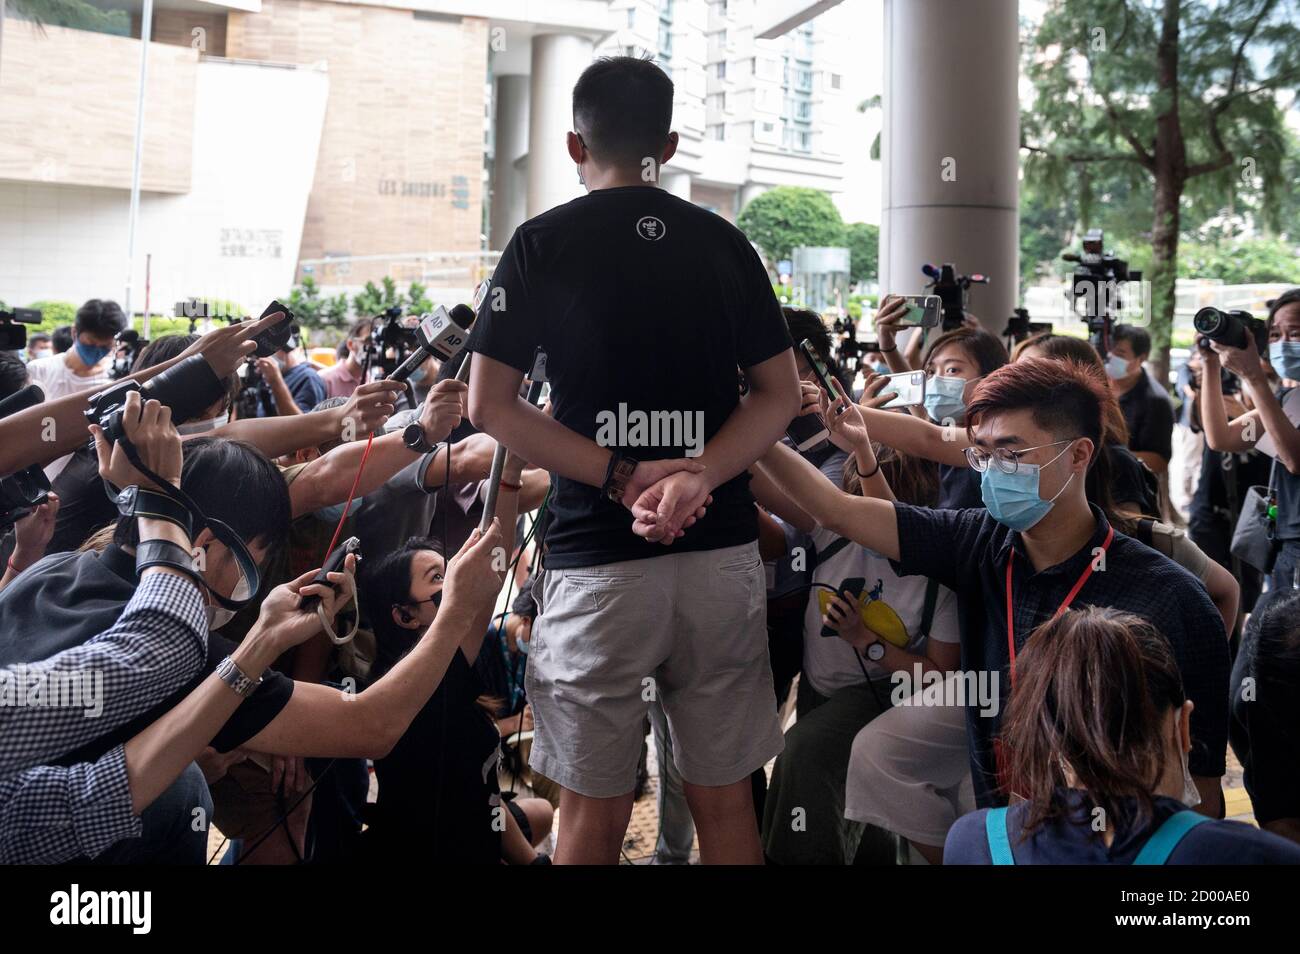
{"type": "Point", "coordinates": [718, 132]}
{"type": "Point", "coordinates": [718, 101]}
{"type": "Point", "coordinates": [631, 18]}
{"type": "Point", "coordinates": [721, 67]}
{"type": "Point", "coordinates": [835, 81]}
{"type": "Point", "coordinates": [666, 34]}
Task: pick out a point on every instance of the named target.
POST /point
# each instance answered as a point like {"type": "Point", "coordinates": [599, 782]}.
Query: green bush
{"type": "Point", "coordinates": [53, 314]}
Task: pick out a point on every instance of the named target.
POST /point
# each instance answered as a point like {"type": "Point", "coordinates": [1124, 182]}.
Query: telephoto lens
{"type": "Point", "coordinates": [1232, 329]}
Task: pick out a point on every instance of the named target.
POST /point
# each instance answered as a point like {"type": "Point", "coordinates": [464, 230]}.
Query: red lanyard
{"type": "Point", "coordinates": [1069, 598]}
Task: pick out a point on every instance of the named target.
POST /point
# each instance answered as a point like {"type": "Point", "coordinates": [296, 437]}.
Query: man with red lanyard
{"type": "Point", "coordinates": [1039, 548]}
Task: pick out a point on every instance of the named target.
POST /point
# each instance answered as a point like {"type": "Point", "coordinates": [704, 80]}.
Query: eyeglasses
{"type": "Point", "coordinates": [1003, 458]}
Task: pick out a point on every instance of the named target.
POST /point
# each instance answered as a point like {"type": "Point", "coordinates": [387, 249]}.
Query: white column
{"type": "Point", "coordinates": [509, 183]}
{"type": "Point", "coordinates": [950, 148]}
{"type": "Point", "coordinates": [558, 61]}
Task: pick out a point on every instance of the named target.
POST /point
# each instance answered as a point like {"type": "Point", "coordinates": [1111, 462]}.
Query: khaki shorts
{"type": "Point", "coordinates": [687, 628]}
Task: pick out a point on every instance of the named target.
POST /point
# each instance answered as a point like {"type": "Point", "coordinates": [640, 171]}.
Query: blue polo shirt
{"type": "Point", "coordinates": [967, 551]}
{"type": "Point", "coordinates": [1070, 840]}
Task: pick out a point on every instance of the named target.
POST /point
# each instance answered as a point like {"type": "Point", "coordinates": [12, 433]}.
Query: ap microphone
{"type": "Point", "coordinates": [442, 335]}
{"type": "Point", "coordinates": [930, 272]}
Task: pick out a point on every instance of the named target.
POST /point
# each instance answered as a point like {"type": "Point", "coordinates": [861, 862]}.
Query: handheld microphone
{"type": "Point", "coordinates": [442, 335]}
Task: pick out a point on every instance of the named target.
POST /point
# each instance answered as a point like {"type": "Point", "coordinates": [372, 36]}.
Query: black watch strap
{"type": "Point", "coordinates": [134, 501]}
{"type": "Point", "coordinates": [165, 553]}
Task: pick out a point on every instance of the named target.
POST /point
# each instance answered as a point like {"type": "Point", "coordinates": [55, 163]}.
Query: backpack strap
{"type": "Point", "coordinates": [821, 556]}
{"type": "Point", "coordinates": [1142, 531]}
{"type": "Point", "coordinates": [1166, 838]}
{"type": "Point", "coordinates": [995, 828]}
{"type": "Point", "coordinates": [927, 614]}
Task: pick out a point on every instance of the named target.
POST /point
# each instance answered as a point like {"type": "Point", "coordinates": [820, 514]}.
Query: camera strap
{"type": "Point", "coordinates": [221, 531]}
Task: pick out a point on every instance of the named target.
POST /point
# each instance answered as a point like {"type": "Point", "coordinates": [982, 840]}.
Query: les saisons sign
{"type": "Point", "coordinates": [458, 190]}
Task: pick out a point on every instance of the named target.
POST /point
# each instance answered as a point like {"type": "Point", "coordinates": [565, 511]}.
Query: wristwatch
{"type": "Point", "coordinates": [413, 437]}
{"type": "Point", "coordinates": [875, 652]}
{"type": "Point", "coordinates": [235, 678]}
{"type": "Point", "coordinates": [134, 501]}
{"type": "Point", "coordinates": [617, 475]}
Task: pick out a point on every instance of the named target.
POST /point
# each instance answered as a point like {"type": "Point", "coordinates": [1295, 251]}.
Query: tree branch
{"type": "Point", "coordinates": [1080, 157]}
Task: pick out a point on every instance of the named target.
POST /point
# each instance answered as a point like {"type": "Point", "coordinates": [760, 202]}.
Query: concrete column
{"type": "Point", "coordinates": [748, 192]}
{"type": "Point", "coordinates": [950, 147]}
{"type": "Point", "coordinates": [678, 183]}
{"type": "Point", "coordinates": [509, 184]}
{"type": "Point", "coordinates": [558, 61]}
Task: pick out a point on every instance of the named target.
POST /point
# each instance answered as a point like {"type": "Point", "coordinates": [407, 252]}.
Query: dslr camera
{"type": "Point", "coordinates": [1231, 328]}
{"type": "Point", "coordinates": [392, 340]}
{"type": "Point", "coordinates": [187, 388]}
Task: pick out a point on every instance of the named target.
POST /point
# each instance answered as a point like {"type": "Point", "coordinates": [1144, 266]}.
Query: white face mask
{"type": "Point", "coordinates": [1116, 367]}
{"type": "Point", "coordinates": [219, 616]}
{"type": "Point", "coordinates": [201, 427]}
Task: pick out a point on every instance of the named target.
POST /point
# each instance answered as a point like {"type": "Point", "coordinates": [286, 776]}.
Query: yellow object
{"type": "Point", "coordinates": [877, 615]}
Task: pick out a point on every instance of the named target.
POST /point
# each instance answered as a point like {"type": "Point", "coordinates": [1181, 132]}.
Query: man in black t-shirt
{"type": "Point", "coordinates": [1148, 410]}
{"type": "Point", "coordinates": [645, 306]}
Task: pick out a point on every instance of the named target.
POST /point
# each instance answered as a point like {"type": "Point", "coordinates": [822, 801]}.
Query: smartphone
{"type": "Point", "coordinates": [923, 311]}
{"type": "Point", "coordinates": [819, 369]}
{"type": "Point", "coordinates": [277, 336]}
{"type": "Point", "coordinates": [908, 388]}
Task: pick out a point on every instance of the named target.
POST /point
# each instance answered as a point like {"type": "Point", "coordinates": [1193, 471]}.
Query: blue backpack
{"type": "Point", "coordinates": [1155, 852]}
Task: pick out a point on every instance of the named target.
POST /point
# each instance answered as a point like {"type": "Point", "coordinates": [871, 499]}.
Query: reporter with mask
{"type": "Point", "coordinates": [1035, 551]}
{"type": "Point", "coordinates": [1267, 418]}
{"type": "Point", "coordinates": [1096, 738]}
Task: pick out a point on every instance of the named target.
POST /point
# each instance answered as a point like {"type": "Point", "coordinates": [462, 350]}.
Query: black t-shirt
{"type": "Point", "coordinates": [645, 305]}
{"type": "Point", "coordinates": [967, 551]}
{"type": "Point", "coordinates": [438, 786]}
{"type": "Point", "coordinates": [84, 506]}
{"type": "Point", "coordinates": [1149, 414]}
{"type": "Point", "coordinates": [1072, 840]}
{"type": "Point", "coordinates": [68, 598]}
{"type": "Point", "coordinates": [1266, 722]}
{"type": "Point", "coordinates": [1132, 483]}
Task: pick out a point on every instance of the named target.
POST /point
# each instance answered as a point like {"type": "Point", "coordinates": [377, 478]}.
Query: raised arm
{"type": "Point", "coordinates": [366, 410]}
{"type": "Point", "coordinates": [328, 479]}
{"type": "Point", "coordinates": [320, 721]}
{"type": "Point", "coordinates": [864, 520]}
{"type": "Point", "coordinates": [23, 436]}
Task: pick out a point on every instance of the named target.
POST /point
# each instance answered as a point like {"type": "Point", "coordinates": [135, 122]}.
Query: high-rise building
{"type": "Point", "coordinates": [356, 140]}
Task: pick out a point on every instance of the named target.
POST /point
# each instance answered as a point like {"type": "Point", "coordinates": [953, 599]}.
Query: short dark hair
{"type": "Point", "coordinates": [1137, 338]}
{"type": "Point", "coordinates": [1068, 348]}
{"type": "Point", "coordinates": [986, 350]}
{"type": "Point", "coordinates": [1065, 397]}
{"type": "Point", "coordinates": [101, 318]}
{"type": "Point", "coordinates": [61, 338]}
{"type": "Point", "coordinates": [623, 109]}
{"type": "Point", "coordinates": [166, 347]}
{"type": "Point", "coordinates": [1289, 297]}
{"type": "Point", "coordinates": [13, 374]}
{"type": "Point", "coordinates": [37, 338]}
{"type": "Point", "coordinates": [234, 483]}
